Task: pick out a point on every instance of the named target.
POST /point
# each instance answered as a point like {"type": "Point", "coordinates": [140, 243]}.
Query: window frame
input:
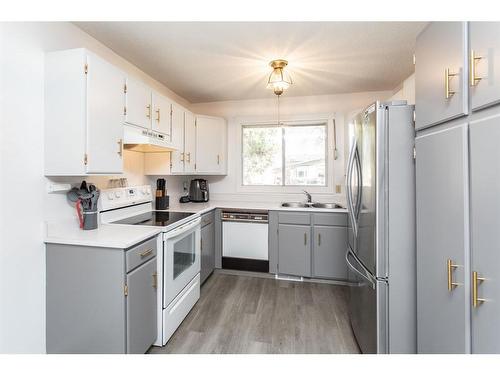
{"type": "Point", "coordinates": [326, 120]}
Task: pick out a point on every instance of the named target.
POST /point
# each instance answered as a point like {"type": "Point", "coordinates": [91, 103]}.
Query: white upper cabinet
{"type": "Point", "coordinates": [138, 104]}
{"type": "Point", "coordinates": [210, 144]}
{"type": "Point", "coordinates": [162, 108]}
{"type": "Point", "coordinates": [84, 114]}
{"type": "Point", "coordinates": [104, 117]}
{"type": "Point", "coordinates": [441, 73]}
{"type": "Point", "coordinates": [177, 157]}
{"type": "Point", "coordinates": [484, 63]}
{"type": "Point", "coordinates": [189, 143]}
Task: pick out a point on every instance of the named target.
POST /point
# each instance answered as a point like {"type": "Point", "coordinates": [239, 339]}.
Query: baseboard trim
{"type": "Point", "coordinates": [281, 277]}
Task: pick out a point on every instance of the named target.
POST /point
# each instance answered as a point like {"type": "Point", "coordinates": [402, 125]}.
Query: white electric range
{"type": "Point", "coordinates": [179, 251]}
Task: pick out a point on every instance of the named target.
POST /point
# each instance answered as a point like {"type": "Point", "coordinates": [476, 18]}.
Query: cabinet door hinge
{"type": "Point", "coordinates": [125, 88]}
{"type": "Point", "coordinates": [414, 153]}
{"type": "Point", "coordinates": [125, 290]}
{"type": "Point", "coordinates": [86, 68]}
{"type": "Point", "coordinates": [85, 159]}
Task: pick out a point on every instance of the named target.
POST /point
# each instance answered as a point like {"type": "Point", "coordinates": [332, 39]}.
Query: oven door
{"type": "Point", "coordinates": [181, 258]}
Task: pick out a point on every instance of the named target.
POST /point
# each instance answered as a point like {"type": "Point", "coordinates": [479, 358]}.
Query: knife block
{"type": "Point", "coordinates": [162, 203]}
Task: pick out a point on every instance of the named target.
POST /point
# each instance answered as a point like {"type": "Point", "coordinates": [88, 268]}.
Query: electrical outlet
{"type": "Point", "coordinates": [338, 189]}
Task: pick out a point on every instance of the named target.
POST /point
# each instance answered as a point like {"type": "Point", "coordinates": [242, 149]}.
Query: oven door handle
{"type": "Point", "coordinates": [183, 229]}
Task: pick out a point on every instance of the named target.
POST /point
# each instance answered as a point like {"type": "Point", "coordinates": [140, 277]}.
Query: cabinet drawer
{"type": "Point", "coordinates": [294, 218]}
{"type": "Point", "coordinates": [208, 218]}
{"type": "Point", "coordinates": [334, 219]}
{"type": "Point", "coordinates": [140, 254]}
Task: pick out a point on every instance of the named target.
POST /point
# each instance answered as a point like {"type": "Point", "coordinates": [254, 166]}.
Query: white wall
{"type": "Point", "coordinates": [24, 203]}
{"type": "Point", "coordinates": [406, 91]}
{"type": "Point", "coordinates": [290, 108]}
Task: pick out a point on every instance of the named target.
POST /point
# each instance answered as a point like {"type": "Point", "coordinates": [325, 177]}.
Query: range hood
{"type": "Point", "coordinates": [145, 140]}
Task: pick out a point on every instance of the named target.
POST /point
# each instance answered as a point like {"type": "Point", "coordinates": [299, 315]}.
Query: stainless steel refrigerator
{"type": "Point", "coordinates": [381, 258]}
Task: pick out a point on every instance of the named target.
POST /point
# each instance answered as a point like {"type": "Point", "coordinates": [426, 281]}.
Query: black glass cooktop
{"type": "Point", "coordinates": [155, 218]}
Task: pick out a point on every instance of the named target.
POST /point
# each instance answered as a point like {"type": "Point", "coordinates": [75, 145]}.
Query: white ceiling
{"type": "Point", "coordinates": [214, 61]}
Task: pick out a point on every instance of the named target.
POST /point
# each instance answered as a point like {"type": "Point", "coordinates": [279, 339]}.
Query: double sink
{"type": "Point", "coordinates": [310, 205]}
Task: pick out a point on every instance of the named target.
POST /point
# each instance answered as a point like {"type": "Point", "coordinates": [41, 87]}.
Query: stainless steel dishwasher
{"type": "Point", "coordinates": [245, 241]}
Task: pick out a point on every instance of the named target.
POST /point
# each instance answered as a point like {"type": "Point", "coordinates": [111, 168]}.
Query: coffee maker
{"type": "Point", "coordinates": [198, 190]}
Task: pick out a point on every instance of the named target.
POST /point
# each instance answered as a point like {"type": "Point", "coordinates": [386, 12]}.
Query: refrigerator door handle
{"type": "Point", "coordinates": [365, 274]}
{"type": "Point", "coordinates": [360, 185]}
{"type": "Point", "coordinates": [350, 207]}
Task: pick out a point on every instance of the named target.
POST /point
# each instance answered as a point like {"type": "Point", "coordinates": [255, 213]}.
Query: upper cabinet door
{"type": "Point", "coordinates": [485, 241]}
{"type": "Point", "coordinates": [138, 104]}
{"type": "Point", "coordinates": [105, 100]}
{"type": "Point", "coordinates": [441, 73]}
{"type": "Point", "coordinates": [484, 63]}
{"type": "Point", "coordinates": [210, 144]}
{"type": "Point", "coordinates": [177, 157]}
{"type": "Point", "coordinates": [442, 242]}
{"type": "Point", "coordinates": [162, 108]}
{"type": "Point", "coordinates": [189, 143]}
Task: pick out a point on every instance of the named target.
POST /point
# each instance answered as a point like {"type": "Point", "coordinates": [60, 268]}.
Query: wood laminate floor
{"type": "Point", "coordinates": [242, 314]}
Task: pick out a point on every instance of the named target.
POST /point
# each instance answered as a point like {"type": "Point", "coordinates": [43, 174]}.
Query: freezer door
{"type": "Point", "coordinates": [367, 301]}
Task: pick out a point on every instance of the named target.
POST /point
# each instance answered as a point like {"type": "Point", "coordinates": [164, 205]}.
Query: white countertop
{"type": "Point", "coordinates": [122, 236]}
{"type": "Point", "coordinates": [107, 235]}
{"type": "Point", "coordinates": [201, 208]}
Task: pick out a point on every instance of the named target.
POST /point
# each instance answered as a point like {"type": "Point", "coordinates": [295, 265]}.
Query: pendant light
{"type": "Point", "coordinates": [279, 79]}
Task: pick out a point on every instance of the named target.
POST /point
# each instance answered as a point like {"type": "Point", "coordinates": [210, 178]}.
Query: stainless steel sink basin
{"type": "Point", "coordinates": [295, 204]}
{"type": "Point", "coordinates": [326, 205]}
{"type": "Point", "coordinates": [313, 205]}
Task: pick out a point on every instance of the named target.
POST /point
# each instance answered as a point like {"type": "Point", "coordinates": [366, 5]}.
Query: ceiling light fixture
{"type": "Point", "coordinates": [279, 80]}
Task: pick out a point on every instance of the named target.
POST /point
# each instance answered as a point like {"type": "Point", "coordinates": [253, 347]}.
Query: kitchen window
{"type": "Point", "coordinates": [287, 155]}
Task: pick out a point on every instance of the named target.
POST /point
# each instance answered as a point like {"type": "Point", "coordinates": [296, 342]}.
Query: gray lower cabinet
{"type": "Point", "coordinates": [101, 300]}
{"type": "Point", "coordinates": [207, 246]}
{"type": "Point", "coordinates": [308, 244]}
{"type": "Point", "coordinates": [485, 241]}
{"type": "Point", "coordinates": [329, 247]}
{"type": "Point", "coordinates": [142, 284]}
{"type": "Point", "coordinates": [294, 250]}
{"type": "Point", "coordinates": [442, 241]}
{"type": "Point", "coordinates": [441, 79]}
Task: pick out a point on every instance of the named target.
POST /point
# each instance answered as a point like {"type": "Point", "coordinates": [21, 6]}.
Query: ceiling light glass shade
{"type": "Point", "coordinates": [279, 79]}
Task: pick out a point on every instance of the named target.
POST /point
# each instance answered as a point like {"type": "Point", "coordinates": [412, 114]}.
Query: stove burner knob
{"type": "Point", "coordinates": [110, 196]}
{"type": "Point", "coordinates": [118, 194]}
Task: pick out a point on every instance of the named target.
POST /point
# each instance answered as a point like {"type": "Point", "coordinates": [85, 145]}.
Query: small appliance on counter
{"type": "Point", "coordinates": [85, 199]}
{"type": "Point", "coordinates": [198, 190]}
{"type": "Point", "coordinates": [162, 199]}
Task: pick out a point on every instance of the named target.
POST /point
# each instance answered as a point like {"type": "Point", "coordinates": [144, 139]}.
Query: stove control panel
{"type": "Point", "coordinates": [122, 197]}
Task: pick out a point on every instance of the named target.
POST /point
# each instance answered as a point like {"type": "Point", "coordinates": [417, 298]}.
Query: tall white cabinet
{"type": "Point", "coordinates": [84, 114]}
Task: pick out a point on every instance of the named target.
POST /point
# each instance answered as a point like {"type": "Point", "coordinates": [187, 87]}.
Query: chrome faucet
{"type": "Point", "coordinates": [309, 198]}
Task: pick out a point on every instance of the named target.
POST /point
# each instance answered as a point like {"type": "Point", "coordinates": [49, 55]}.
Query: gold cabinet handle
{"type": "Point", "coordinates": [148, 113]}
{"type": "Point", "coordinates": [474, 80]}
{"type": "Point", "coordinates": [450, 267]}
{"type": "Point", "coordinates": [319, 239]}
{"type": "Point", "coordinates": [188, 157]}
{"type": "Point", "coordinates": [475, 281]}
{"type": "Point", "coordinates": [158, 115]}
{"type": "Point", "coordinates": [305, 239]}
{"type": "Point", "coordinates": [120, 147]}
{"type": "Point", "coordinates": [447, 76]}
{"type": "Point", "coordinates": [218, 159]}
{"type": "Point", "coordinates": [146, 253]}
{"type": "Point", "coordinates": [155, 280]}
{"type": "Point", "coordinates": [182, 156]}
